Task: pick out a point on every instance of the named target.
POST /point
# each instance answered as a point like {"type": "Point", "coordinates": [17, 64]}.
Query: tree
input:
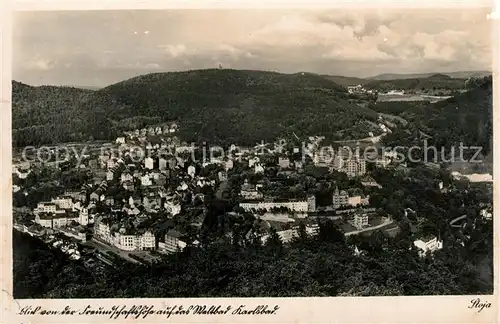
{"type": "Point", "coordinates": [328, 232]}
{"type": "Point", "coordinates": [274, 240]}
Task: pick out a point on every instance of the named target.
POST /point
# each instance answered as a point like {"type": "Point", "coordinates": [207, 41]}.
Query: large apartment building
{"type": "Point", "coordinates": [359, 220]}
{"type": "Point", "coordinates": [340, 198]}
{"type": "Point", "coordinates": [298, 206]}
{"type": "Point", "coordinates": [55, 219]}
{"type": "Point", "coordinates": [123, 240]}
{"type": "Point", "coordinates": [173, 242]}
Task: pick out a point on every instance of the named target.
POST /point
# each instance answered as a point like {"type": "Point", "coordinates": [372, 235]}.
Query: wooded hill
{"type": "Point", "coordinates": [222, 106]}
{"type": "Point", "coordinates": [230, 107]}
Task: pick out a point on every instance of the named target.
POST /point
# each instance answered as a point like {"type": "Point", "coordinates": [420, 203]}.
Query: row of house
{"type": "Point", "coordinates": [122, 238]}
{"type": "Point", "coordinates": [288, 235]}
{"type": "Point", "coordinates": [158, 130]}
{"type": "Point", "coordinates": [296, 206]}
{"type": "Point", "coordinates": [137, 239]}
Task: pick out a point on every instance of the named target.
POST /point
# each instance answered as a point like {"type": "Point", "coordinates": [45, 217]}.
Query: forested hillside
{"type": "Point", "coordinates": [433, 82]}
{"type": "Point", "coordinates": [346, 81]}
{"type": "Point", "coordinates": [311, 266]}
{"type": "Point", "coordinates": [223, 106]}
{"type": "Point", "coordinates": [466, 117]}
{"type": "Point", "coordinates": [48, 114]}
{"type": "Point", "coordinates": [458, 74]}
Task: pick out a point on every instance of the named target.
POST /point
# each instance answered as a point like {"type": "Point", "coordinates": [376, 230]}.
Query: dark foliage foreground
{"type": "Point", "coordinates": [311, 266]}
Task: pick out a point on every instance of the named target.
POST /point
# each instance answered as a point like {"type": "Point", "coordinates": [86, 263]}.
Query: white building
{"type": "Point", "coordinates": [476, 177]}
{"type": "Point", "coordinates": [149, 163]}
{"type": "Point", "coordinates": [43, 220]}
{"type": "Point", "coordinates": [126, 176]}
{"type": "Point", "coordinates": [354, 167]}
{"type": "Point", "coordinates": [173, 242]}
{"type": "Point", "coordinates": [222, 175]}
{"type": "Point", "coordinates": [123, 241]}
{"type": "Point", "coordinates": [64, 202]}
{"type": "Point", "coordinates": [134, 242]}
{"type": "Point", "coordinates": [173, 207]}
{"type": "Point", "coordinates": [311, 202]}
{"type": "Point", "coordinates": [284, 162]}
{"type": "Point", "coordinates": [111, 163]}
{"type": "Point", "coordinates": [298, 206]}
{"type": "Point", "coordinates": [340, 198]}
{"type": "Point", "coordinates": [324, 158]}
{"type": "Point", "coordinates": [183, 186]}
{"type": "Point", "coordinates": [252, 161]}
{"type": "Point", "coordinates": [83, 216]}
{"type": "Point", "coordinates": [258, 168]}
{"type": "Point", "coordinates": [357, 200]}
{"type": "Point", "coordinates": [428, 245]}
{"type": "Point", "coordinates": [288, 235]}
{"type": "Point", "coordinates": [354, 201]}
{"type": "Point", "coordinates": [162, 164]}
{"type": "Point", "coordinates": [298, 165]}
{"type": "Point", "coordinates": [146, 180]}
{"type": "Point", "coordinates": [486, 214]}
{"type": "Point", "coordinates": [248, 191]}
{"type": "Point", "coordinates": [360, 220]}
{"type": "Point", "coordinates": [54, 220]}
{"type": "Point", "coordinates": [191, 170]}
{"type": "Point", "coordinates": [45, 207]}
{"type": "Point", "coordinates": [120, 140]}
{"type": "Point", "coordinates": [229, 164]}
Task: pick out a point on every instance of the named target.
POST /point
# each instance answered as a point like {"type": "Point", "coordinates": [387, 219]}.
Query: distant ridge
{"type": "Point", "coordinates": [439, 76]}
{"type": "Point", "coordinates": [458, 75]}
{"type": "Point", "coordinates": [85, 87]}
{"type": "Point", "coordinates": [345, 80]}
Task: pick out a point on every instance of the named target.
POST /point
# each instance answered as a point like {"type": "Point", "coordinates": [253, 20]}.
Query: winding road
{"type": "Point", "coordinates": [385, 223]}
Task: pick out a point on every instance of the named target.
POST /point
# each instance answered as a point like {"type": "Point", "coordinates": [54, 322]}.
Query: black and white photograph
{"type": "Point", "coordinates": [231, 153]}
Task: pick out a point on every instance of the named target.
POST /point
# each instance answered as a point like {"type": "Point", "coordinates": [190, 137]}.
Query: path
{"type": "Point", "coordinates": [453, 221]}
{"type": "Point", "coordinates": [385, 223]}
{"type": "Point", "coordinates": [394, 117]}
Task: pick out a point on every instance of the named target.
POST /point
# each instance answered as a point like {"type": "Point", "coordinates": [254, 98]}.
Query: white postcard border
{"type": "Point", "coordinates": [429, 309]}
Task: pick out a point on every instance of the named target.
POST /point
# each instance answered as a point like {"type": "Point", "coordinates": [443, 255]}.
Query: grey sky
{"type": "Point", "coordinates": [97, 48]}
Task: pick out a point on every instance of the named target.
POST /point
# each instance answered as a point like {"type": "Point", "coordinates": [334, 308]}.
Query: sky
{"type": "Point", "coordinates": [98, 48]}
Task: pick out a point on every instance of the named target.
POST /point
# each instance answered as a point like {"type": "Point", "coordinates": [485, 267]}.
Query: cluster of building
{"type": "Point", "coordinates": [131, 193]}
{"type": "Point", "coordinates": [158, 130]}
{"type": "Point", "coordinates": [123, 237]}
{"type": "Point", "coordinates": [342, 199]}
{"type": "Point", "coordinates": [353, 166]}
{"type": "Point", "coordinates": [62, 213]}
{"type": "Point", "coordinates": [293, 206]}
{"type": "Point", "coordinates": [289, 234]}
{"type": "Point", "coordinates": [145, 188]}
{"type": "Point", "coordinates": [359, 89]}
